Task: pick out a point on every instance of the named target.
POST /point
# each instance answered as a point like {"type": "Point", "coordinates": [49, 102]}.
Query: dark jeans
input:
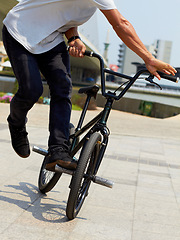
{"type": "Point", "coordinates": [55, 67]}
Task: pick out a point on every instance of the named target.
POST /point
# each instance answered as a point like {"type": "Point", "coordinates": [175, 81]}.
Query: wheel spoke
{"type": "Point", "coordinates": [47, 179]}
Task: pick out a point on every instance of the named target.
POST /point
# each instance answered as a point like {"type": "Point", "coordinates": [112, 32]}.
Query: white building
{"type": "Point", "coordinates": [126, 58]}
{"type": "Point", "coordinates": [161, 49]}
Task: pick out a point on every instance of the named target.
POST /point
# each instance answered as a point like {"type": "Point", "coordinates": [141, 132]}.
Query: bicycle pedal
{"type": "Point", "coordinates": [59, 169]}
{"type": "Point", "coordinates": [103, 181]}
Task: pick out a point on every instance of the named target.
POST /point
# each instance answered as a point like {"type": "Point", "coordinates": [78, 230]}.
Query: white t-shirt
{"type": "Point", "coordinates": [39, 24]}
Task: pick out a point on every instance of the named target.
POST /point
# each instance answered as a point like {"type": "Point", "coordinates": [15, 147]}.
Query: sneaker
{"type": "Point", "coordinates": [20, 141]}
{"type": "Point", "coordinates": [61, 157]}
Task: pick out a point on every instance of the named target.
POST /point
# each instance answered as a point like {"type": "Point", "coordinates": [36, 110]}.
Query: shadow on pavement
{"type": "Point", "coordinates": [28, 198]}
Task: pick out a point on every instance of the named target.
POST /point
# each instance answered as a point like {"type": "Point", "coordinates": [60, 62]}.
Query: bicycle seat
{"type": "Point", "coordinates": [91, 90]}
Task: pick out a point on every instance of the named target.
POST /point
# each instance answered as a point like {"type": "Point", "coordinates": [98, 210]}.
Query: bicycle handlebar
{"type": "Point", "coordinates": [132, 79]}
{"type": "Point", "coordinates": [162, 75]}
{"type": "Point", "coordinates": [129, 84]}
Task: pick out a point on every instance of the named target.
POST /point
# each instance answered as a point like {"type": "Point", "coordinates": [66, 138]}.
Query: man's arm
{"type": "Point", "coordinates": [77, 47]}
{"type": "Point", "coordinates": [128, 35]}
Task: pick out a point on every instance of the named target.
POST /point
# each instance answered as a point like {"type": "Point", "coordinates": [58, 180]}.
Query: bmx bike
{"type": "Point", "coordinates": [90, 149]}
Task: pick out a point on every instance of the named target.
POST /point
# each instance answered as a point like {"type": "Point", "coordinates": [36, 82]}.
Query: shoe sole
{"type": "Point", "coordinates": [23, 156]}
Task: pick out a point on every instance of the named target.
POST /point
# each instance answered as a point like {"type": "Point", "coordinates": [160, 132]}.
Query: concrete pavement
{"type": "Point", "coordinates": [143, 160]}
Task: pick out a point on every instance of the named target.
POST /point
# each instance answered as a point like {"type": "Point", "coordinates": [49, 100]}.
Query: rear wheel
{"type": "Point", "coordinates": [47, 179]}
{"type": "Point", "coordinates": [83, 176]}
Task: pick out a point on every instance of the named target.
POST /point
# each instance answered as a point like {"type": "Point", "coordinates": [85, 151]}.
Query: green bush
{"type": "Point", "coordinates": [75, 107]}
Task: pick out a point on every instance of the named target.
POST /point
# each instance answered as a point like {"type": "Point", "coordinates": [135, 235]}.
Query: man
{"type": "Point", "coordinates": [33, 36]}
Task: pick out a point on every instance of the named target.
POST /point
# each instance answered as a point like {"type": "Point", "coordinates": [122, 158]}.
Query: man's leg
{"type": "Point", "coordinates": [55, 66]}
{"type": "Point", "coordinates": [25, 67]}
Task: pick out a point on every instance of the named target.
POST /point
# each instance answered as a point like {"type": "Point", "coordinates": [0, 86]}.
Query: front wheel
{"type": "Point", "coordinates": [47, 179]}
{"type": "Point", "coordinates": [82, 179]}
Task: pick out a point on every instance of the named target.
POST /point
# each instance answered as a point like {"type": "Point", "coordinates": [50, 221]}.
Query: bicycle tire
{"type": "Point", "coordinates": [79, 184]}
{"type": "Point", "coordinates": [47, 179]}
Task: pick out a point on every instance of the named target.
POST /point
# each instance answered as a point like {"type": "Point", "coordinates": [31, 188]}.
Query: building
{"type": "Point", "coordinates": [161, 49]}
{"type": "Point", "coordinates": [125, 59]}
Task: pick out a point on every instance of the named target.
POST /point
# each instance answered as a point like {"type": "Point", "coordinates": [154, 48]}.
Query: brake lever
{"type": "Point", "coordinates": [150, 79]}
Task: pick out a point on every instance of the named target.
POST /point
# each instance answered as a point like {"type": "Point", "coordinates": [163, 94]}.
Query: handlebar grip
{"type": "Point", "coordinates": [88, 53]}
{"type": "Point", "coordinates": [169, 77]}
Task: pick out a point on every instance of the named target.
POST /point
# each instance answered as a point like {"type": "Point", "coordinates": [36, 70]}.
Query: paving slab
{"type": "Point", "coordinates": [143, 160]}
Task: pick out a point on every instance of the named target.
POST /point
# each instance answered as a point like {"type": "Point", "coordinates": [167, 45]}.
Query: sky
{"type": "Point", "coordinates": [152, 19]}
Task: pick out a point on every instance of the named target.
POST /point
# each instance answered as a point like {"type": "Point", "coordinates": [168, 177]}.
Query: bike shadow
{"type": "Point", "coordinates": [28, 198]}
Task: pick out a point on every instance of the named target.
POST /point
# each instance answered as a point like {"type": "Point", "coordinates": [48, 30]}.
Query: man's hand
{"type": "Point", "coordinates": [77, 48]}
{"type": "Point", "coordinates": [155, 65]}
